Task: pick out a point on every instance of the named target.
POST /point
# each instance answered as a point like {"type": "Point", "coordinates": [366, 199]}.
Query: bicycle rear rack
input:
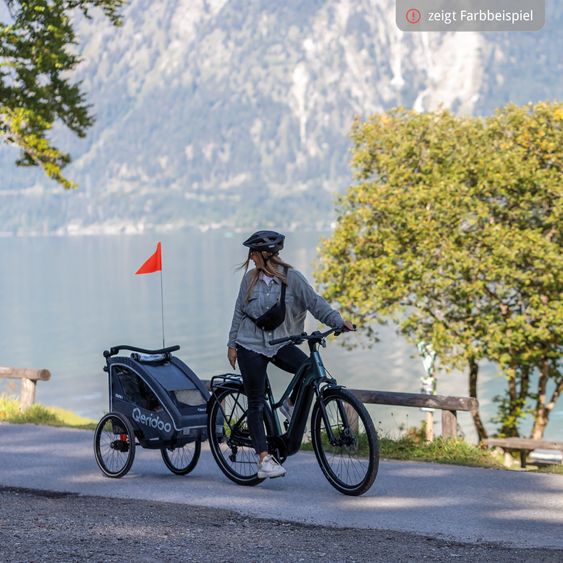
{"type": "Point", "coordinates": [224, 378]}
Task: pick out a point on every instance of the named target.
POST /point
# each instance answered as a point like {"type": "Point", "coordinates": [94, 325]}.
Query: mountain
{"type": "Point", "coordinates": [236, 113]}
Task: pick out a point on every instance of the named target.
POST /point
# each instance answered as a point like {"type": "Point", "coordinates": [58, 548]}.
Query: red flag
{"type": "Point", "coordinates": [153, 264]}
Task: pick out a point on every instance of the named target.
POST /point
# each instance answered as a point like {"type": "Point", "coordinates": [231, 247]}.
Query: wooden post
{"type": "Point", "coordinates": [27, 393]}
{"type": "Point", "coordinates": [29, 378]}
{"type": "Point", "coordinates": [449, 424]}
{"type": "Point", "coordinates": [429, 426]}
{"type": "Point", "coordinates": [352, 415]}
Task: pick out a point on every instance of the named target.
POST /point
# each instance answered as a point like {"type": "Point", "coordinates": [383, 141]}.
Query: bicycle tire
{"type": "Point", "coordinates": [350, 466]}
{"type": "Point", "coordinates": [114, 456]}
{"type": "Point", "coordinates": [232, 450]}
{"type": "Point", "coordinates": [182, 460]}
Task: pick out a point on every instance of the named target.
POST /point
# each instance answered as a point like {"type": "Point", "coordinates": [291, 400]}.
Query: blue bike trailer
{"type": "Point", "coordinates": [161, 396]}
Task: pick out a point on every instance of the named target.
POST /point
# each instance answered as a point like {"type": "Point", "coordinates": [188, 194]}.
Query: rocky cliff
{"type": "Point", "coordinates": [237, 112]}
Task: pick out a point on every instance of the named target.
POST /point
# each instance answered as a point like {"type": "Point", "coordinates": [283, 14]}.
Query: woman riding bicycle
{"type": "Point", "coordinates": [272, 302]}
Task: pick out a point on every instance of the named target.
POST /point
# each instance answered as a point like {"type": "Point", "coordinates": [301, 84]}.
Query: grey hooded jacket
{"type": "Point", "coordinates": [300, 297]}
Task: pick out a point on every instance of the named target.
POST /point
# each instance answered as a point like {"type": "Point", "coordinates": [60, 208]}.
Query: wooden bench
{"type": "Point", "coordinates": [522, 445]}
{"type": "Point", "coordinates": [447, 404]}
{"type": "Point", "coordinates": [29, 378]}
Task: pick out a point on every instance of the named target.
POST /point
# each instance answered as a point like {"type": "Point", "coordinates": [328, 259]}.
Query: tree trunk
{"type": "Point", "coordinates": [473, 373]}
{"type": "Point", "coordinates": [524, 385]}
{"type": "Point", "coordinates": [543, 410]}
{"type": "Point", "coordinates": [509, 426]}
{"type": "Point", "coordinates": [540, 418]}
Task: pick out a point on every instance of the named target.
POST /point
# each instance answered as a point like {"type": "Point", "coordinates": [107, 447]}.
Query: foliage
{"type": "Point", "coordinates": [453, 232]}
{"type": "Point", "coordinates": [440, 450]}
{"type": "Point", "coordinates": [39, 414]}
{"type": "Point", "coordinates": [36, 56]}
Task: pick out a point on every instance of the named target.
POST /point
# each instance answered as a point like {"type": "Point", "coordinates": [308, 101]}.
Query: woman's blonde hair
{"type": "Point", "coordinates": [273, 267]}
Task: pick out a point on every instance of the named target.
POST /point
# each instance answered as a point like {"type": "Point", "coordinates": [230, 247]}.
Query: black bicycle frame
{"type": "Point", "coordinates": [311, 376]}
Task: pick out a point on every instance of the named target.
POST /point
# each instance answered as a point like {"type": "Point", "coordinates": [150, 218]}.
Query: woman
{"type": "Point", "coordinates": [272, 302]}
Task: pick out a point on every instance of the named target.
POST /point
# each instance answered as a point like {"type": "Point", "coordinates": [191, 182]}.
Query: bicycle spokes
{"type": "Point", "coordinates": [345, 442]}
{"type": "Point", "coordinates": [237, 447]}
{"type": "Point", "coordinates": [235, 417]}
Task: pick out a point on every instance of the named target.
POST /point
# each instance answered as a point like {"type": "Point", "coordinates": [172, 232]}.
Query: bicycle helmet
{"type": "Point", "coordinates": [268, 241]}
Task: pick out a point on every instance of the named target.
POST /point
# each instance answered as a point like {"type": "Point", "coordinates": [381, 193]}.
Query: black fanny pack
{"type": "Point", "coordinates": [275, 315]}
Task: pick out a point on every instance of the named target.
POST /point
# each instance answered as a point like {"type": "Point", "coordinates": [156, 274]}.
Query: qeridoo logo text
{"type": "Point", "coordinates": [151, 421]}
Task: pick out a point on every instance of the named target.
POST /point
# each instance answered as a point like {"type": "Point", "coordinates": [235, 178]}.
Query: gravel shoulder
{"type": "Point", "coordinates": [43, 526]}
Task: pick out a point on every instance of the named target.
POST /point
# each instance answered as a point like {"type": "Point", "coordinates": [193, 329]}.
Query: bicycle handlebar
{"type": "Point", "coordinates": [298, 338]}
{"type": "Point", "coordinates": [116, 349]}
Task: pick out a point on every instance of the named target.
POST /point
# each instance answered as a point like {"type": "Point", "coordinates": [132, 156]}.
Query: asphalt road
{"type": "Point", "coordinates": [471, 505]}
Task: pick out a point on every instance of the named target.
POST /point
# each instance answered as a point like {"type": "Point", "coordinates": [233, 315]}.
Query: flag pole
{"type": "Point", "coordinates": [162, 308]}
{"type": "Point", "coordinates": [154, 264]}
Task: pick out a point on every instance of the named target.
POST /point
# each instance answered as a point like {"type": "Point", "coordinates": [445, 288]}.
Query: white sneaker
{"type": "Point", "coordinates": [287, 410]}
{"type": "Point", "coordinates": [270, 468]}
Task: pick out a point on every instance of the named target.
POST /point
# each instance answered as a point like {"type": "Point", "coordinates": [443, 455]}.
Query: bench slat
{"type": "Point", "coordinates": [25, 373]}
{"type": "Point", "coordinates": [442, 402]}
{"type": "Point", "coordinates": [524, 444]}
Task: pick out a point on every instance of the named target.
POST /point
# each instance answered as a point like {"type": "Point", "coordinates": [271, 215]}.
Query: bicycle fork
{"type": "Point", "coordinates": [347, 435]}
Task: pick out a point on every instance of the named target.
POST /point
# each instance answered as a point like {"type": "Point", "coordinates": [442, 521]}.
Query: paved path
{"type": "Point", "coordinates": [466, 504]}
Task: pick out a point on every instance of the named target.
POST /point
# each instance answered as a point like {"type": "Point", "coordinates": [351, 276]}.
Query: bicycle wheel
{"type": "Point", "coordinates": [351, 461]}
{"type": "Point", "coordinates": [232, 449]}
{"type": "Point", "coordinates": [114, 445]}
{"type": "Point", "coordinates": [181, 460]}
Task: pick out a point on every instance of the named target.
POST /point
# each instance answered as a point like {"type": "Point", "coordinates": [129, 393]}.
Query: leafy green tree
{"type": "Point", "coordinates": [452, 232]}
{"type": "Point", "coordinates": [37, 51]}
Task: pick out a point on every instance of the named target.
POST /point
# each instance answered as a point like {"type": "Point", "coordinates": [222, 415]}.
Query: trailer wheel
{"type": "Point", "coordinates": [183, 459]}
{"type": "Point", "coordinates": [114, 445]}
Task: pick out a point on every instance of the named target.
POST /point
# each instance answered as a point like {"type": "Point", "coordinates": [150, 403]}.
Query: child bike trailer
{"type": "Point", "coordinates": [155, 401]}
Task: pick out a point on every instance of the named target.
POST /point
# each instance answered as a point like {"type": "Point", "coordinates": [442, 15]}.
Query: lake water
{"type": "Point", "coordinates": [64, 300]}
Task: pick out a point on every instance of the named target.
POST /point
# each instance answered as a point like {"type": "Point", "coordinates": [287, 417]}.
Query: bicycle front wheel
{"type": "Point", "coordinates": [345, 442]}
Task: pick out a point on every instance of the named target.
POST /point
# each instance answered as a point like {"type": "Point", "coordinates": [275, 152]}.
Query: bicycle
{"type": "Point", "coordinates": [342, 433]}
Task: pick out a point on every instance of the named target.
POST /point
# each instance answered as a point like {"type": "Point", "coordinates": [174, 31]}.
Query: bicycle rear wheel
{"type": "Point", "coordinates": [229, 438]}
{"type": "Point", "coordinates": [350, 462]}
{"type": "Point", "coordinates": [114, 445]}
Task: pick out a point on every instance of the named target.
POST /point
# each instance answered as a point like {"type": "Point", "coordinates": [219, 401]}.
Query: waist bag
{"type": "Point", "coordinates": [275, 315]}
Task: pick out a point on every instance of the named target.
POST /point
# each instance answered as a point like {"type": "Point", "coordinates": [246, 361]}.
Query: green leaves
{"type": "Point", "coordinates": [453, 232]}
{"type": "Point", "coordinates": [35, 90]}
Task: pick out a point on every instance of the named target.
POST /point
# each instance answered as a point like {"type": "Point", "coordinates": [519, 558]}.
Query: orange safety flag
{"type": "Point", "coordinates": [153, 264]}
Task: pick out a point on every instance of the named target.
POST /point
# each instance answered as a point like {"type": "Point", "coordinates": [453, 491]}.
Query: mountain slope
{"type": "Point", "coordinates": [237, 113]}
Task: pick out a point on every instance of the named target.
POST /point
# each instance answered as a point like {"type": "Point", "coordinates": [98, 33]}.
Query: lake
{"type": "Point", "coordinates": [66, 299]}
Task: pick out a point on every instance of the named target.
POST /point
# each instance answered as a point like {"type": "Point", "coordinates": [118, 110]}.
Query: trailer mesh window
{"type": "Point", "coordinates": [135, 390]}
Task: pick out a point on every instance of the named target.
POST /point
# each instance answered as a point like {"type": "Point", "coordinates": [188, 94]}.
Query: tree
{"type": "Point", "coordinates": [452, 232]}
{"type": "Point", "coordinates": [36, 56]}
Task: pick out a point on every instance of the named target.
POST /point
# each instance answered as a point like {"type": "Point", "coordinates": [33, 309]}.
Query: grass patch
{"type": "Point", "coordinates": [39, 414]}
{"type": "Point", "coordinates": [454, 451]}
{"type": "Point", "coordinates": [413, 447]}
{"type": "Point", "coordinates": [554, 469]}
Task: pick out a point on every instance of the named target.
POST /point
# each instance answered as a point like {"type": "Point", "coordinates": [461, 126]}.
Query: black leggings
{"type": "Point", "coordinates": [253, 366]}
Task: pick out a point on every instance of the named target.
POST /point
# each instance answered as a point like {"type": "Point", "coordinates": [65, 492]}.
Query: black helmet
{"type": "Point", "coordinates": [268, 241]}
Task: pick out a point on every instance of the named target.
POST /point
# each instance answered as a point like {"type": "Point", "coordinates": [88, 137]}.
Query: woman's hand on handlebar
{"type": "Point", "coordinates": [349, 326]}
{"type": "Point", "coordinates": [232, 356]}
